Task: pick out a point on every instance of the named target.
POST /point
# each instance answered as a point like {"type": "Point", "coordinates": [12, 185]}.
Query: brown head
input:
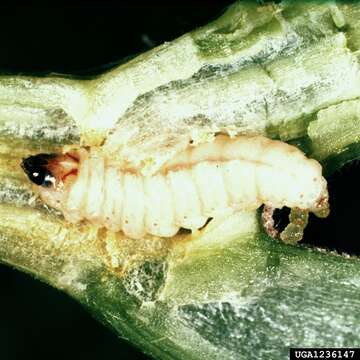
{"type": "Point", "coordinates": [52, 173]}
{"type": "Point", "coordinates": [37, 169]}
{"type": "Point", "coordinates": [49, 170]}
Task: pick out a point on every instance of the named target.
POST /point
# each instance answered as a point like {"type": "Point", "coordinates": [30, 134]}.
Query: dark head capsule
{"type": "Point", "coordinates": [36, 169]}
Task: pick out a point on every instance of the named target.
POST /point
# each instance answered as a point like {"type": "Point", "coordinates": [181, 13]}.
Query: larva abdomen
{"type": "Point", "coordinates": [112, 214]}
{"type": "Point", "coordinates": [241, 183]}
{"type": "Point", "coordinates": [211, 187]}
{"type": "Point", "coordinates": [202, 182]}
{"type": "Point", "coordinates": [133, 207]}
{"type": "Point", "coordinates": [160, 214]}
{"type": "Point", "coordinates": [187, 204]}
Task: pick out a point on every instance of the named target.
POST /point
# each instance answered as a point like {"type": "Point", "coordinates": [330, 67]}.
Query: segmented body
{"type": "Point", "coordinates": [205, 181]}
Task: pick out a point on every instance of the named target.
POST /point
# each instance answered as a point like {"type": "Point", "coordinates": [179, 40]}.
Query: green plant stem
{"type": "Point", "coordinates": [289, 71]}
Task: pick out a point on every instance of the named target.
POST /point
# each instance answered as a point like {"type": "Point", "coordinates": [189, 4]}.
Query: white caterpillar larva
{"type": "Point", "coordinates": [202, 182]}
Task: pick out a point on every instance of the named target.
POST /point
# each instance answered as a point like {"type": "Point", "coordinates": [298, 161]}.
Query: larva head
{"type": "Point", "coordinates": [51, 172]}
{"type": "Point", "coordinates": [38, 170]}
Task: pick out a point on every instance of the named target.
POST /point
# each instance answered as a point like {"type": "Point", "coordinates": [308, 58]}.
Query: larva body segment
{"type": "Point", "coordinates": [73, 198]}
{"type": "Point", "coordinates": [241, 183]}
{"type": "Point", "coordinates": [160, 215]}
{"type": "Point", "coordinates": [187, 202]}
{"type": "Point", "coordinates": [202, 182]}
{"type": "Point", "coordinates": [211, 186]}
{"type": "Point", "coordinates": [111, 213]}
{"type": "Point", "coordinates": [94, 204]}
{"type": "Point", "coordinates": [133, 209]}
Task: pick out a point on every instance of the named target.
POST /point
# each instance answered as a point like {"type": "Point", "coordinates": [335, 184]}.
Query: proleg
{"type": "Point", "coordinates": [209, 180]}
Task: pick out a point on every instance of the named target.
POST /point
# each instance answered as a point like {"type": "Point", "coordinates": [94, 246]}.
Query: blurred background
{"type": "Point", "coordinates": [69, 37]}
{"type": "Point", "coordinates": [36, 321]}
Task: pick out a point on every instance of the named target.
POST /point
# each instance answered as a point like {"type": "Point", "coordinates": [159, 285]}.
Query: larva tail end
{"type": "Point", "coordinates": [298, 220]}
{"type": "Point", "coordinates": [292, 234]}
{"type": "Point", "coordinates": [322, 208]}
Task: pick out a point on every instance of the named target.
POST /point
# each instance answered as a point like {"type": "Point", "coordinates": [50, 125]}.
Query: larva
{"type": "Point", "coordinates": [205, 181]}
